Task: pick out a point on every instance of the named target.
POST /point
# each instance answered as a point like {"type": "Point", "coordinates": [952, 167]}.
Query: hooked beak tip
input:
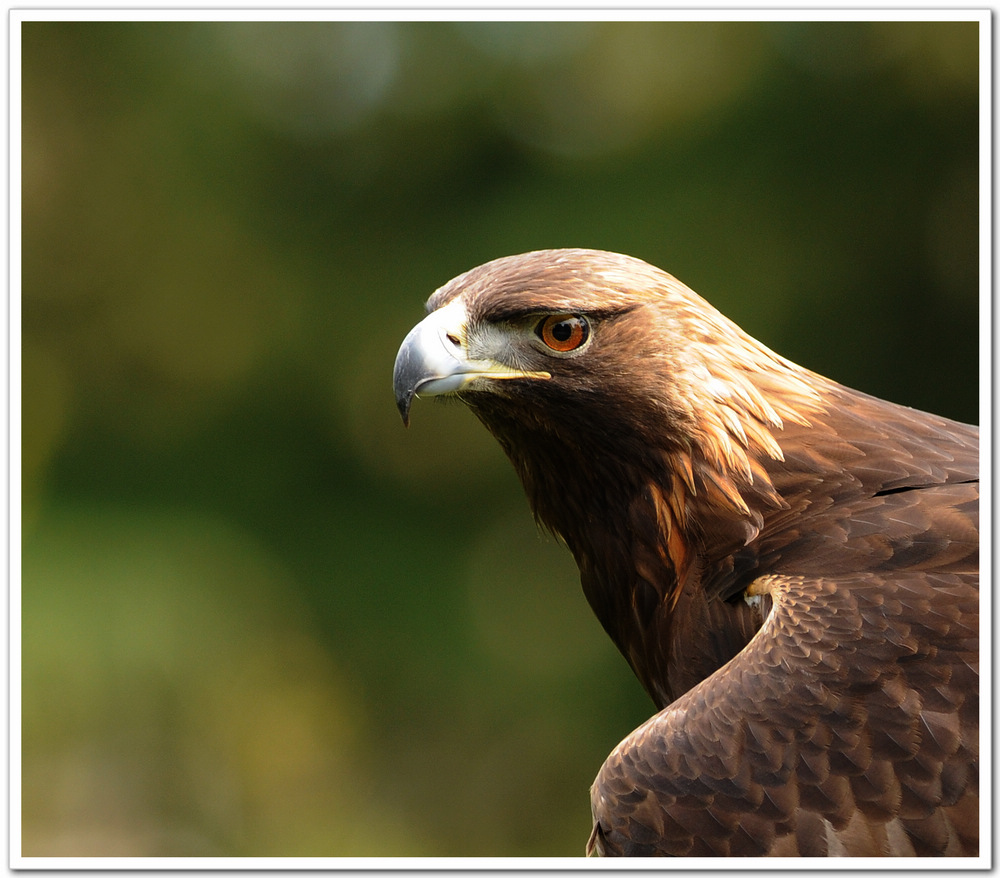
{"type": "Point", "coordinates": [403, 404]}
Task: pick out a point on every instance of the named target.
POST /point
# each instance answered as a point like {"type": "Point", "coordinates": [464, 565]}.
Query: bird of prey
{"type": "Point", "coordinates": [790, 566]}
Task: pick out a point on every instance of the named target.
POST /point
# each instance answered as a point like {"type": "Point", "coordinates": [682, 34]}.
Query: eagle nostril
{"type": "Point", "coordinates": [454, 339]}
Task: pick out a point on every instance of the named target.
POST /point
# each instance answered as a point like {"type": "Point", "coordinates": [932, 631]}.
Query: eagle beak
{"type": "Point", "coordinates": [433, 359]}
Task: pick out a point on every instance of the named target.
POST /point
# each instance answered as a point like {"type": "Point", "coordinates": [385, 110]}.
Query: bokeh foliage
{"type": "Point", "coordinates": [259, 617]}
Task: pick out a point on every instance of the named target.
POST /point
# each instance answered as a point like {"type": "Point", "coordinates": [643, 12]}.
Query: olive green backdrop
{"type": "Point", "coordinates": [259, 616]}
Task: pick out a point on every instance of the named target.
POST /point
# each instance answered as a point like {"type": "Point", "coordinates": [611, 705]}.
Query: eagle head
{"type": "Point", "coordinates": [589, 358]}
{"type": "Point", "coordinates": [551, 331]}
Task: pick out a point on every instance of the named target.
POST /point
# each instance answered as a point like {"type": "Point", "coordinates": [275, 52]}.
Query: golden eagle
{"type": "Point", "coordinates": [790, 567]}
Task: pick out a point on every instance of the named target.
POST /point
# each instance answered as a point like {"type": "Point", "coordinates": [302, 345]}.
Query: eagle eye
{"type": "Point", "coordinates": [563, 332]}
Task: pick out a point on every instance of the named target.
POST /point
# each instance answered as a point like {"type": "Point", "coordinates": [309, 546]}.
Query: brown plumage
{"type": "Point", "coordinates": [791, 567]}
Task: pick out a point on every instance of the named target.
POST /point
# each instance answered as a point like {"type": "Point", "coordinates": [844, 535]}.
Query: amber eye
{"type": "Point", "coordinates": [563, 332]}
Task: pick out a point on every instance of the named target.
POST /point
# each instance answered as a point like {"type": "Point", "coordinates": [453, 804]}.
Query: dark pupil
{"type": "Point", "coordinates": [562, 331]}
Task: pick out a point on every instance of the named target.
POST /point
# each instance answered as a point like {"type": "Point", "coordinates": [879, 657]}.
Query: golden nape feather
{"type": "Point", "coordinates": [790, 567]}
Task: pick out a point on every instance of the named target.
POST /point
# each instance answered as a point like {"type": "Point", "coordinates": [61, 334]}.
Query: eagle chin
{"type": "Point", "coordinates": [790, 566]}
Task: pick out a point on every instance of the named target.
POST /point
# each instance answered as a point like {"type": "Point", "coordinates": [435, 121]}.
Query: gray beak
{"type": "Point", "coordinates": [434, 359]}
{"type": "Point", "coordinates": [431, 359]}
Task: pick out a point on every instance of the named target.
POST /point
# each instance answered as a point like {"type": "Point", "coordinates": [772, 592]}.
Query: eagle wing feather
{"type": "Point", "coordinates": [853, 711]}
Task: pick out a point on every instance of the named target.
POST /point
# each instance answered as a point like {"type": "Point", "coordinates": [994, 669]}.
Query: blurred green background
{"type": "Point", "coordinates": [259, 616]}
